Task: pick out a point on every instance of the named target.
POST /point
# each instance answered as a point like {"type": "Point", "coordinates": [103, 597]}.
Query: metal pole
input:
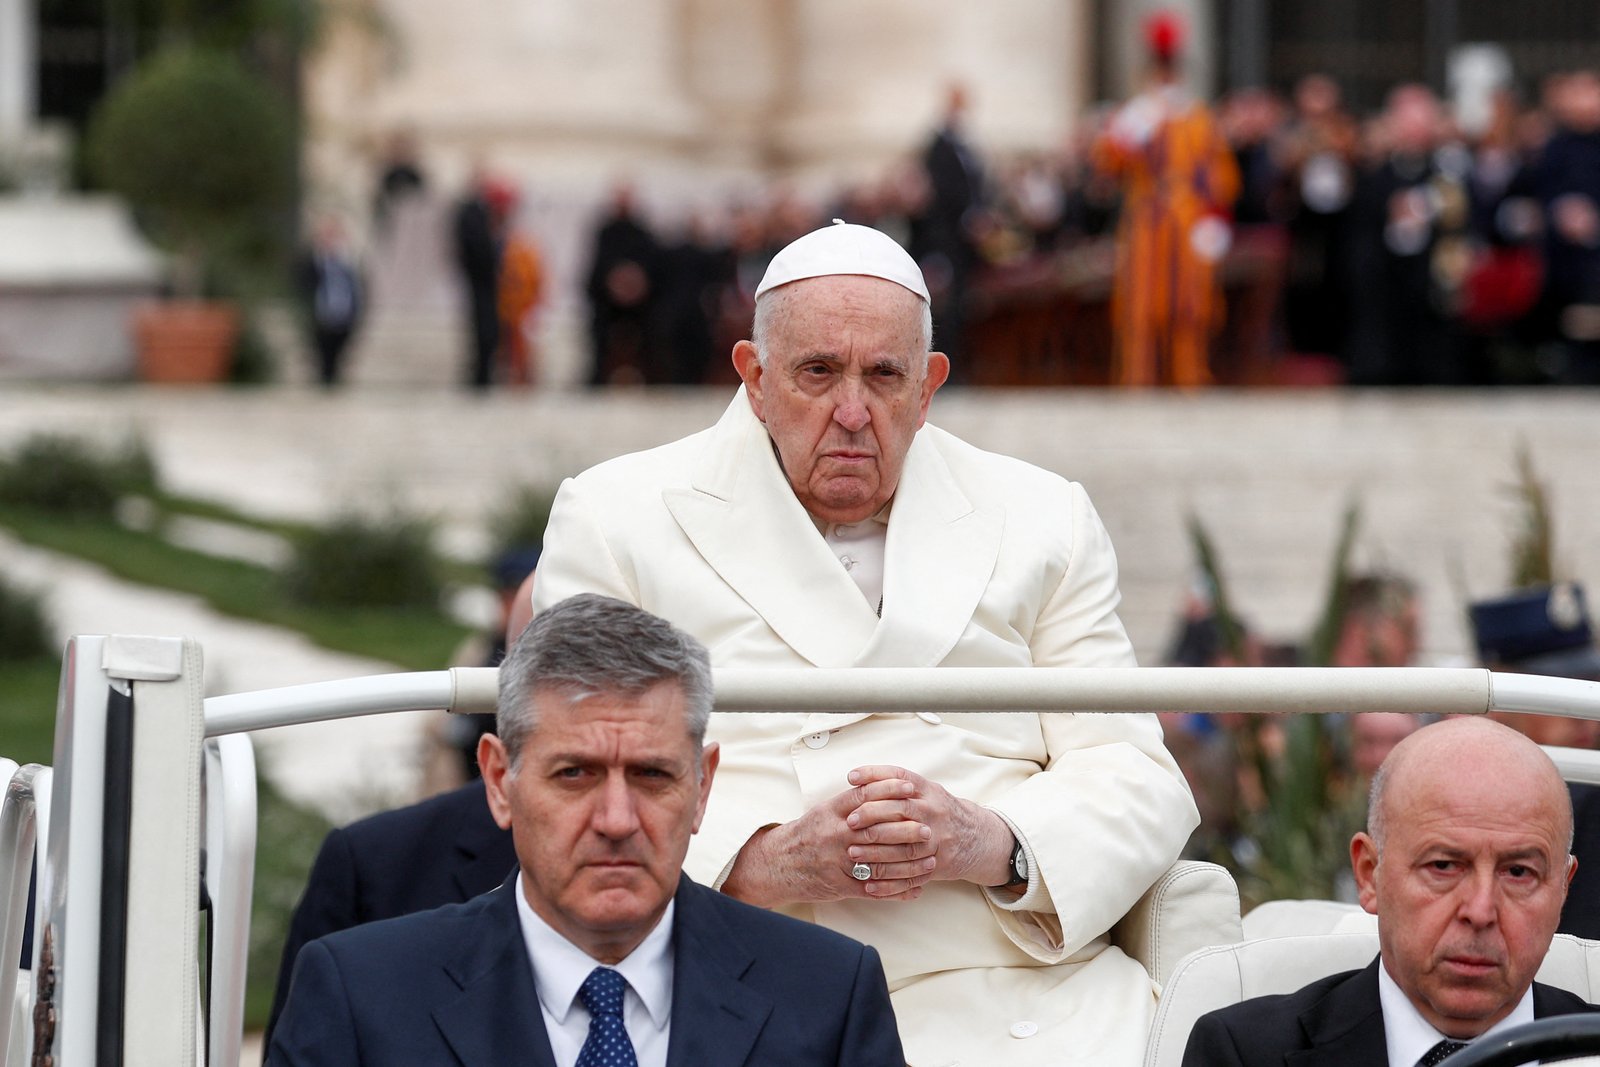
{"type": "Point", "coordinates": [1257, 690]}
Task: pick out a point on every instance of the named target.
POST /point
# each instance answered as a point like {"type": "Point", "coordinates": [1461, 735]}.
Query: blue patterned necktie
{"type": "Point", "coordinates": [607, 1044]}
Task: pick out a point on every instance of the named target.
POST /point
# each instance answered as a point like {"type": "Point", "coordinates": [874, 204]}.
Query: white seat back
{"type": "Point", "coordinates": [1221, 975]}
{"type": "Point", "coordinates": [1297, 918]}
{"type": "Point", "coordinates": [1192, 905]}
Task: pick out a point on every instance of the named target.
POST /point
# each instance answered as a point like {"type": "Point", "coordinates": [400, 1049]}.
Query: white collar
{"type": "Point", "coordinates": [1410, 1036]}
{"type": "Point", "coordinates": [559, 966]}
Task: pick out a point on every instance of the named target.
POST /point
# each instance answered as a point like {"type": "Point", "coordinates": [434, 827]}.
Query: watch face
{"type": "Point", "coordinates": [1019, 864]}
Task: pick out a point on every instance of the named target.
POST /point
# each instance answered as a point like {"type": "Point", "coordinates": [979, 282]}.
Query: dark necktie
{"type": "Point", "coordinates": [607, 1044]}
{"type": "Point", "coordinates": [1438, 1053]}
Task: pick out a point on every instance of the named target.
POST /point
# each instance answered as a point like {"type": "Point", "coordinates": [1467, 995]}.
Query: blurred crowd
{"type": "Point", "coordinates": [1280, 795]}
{"type": "Point", "coordinates": [1423, 244]}
{"type": "Point", "coordinates": [1416, 249]}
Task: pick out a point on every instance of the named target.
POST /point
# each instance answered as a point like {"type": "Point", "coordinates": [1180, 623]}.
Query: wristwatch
{"type": "Point", "coordinates": [1019, 867]}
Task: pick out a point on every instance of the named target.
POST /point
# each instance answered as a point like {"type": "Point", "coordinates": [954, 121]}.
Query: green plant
{"type": "Point", "coordinates": [520, 520]}
{"type": "Point", "coordinates": [1308, 806]}
{"type": "Point", "coordinates": [1533, 547]}
{"type": "Point", "coordinates": [24, 631]}
{"type": "Point", "coordinates": [66, 475]}
{"type": "Point", "coordinates": [386, 561]}
{"type": "Point", "coordinates": [204, 151]}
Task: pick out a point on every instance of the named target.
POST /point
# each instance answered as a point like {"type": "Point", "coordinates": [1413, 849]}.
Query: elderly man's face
{"type": "Point", "coordinates": [1469, 885]}
{"type": "Point", "coordinates": [601, 807]}
{"type": "Point", "coordinates": [844, 391]}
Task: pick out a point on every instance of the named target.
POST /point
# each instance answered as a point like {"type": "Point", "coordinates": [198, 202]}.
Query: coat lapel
{"type": "Point", "coordinates": [716, 1018]}
{"type": "Point", "coordinates": [939, 559]}
{"type": "Point", "coordinates": [1346, 1026]}
{"type": "Point", "coordinates": [496, 1020]}
{"type": "Point", "coordinates": [746, 523]}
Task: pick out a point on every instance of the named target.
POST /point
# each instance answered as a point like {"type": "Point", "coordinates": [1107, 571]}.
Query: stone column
{"type": "Point", "coordinates": [18, 67]}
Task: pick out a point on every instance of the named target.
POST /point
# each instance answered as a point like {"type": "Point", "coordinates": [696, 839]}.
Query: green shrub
{"type": "Point", "coordinates": [24, 632]}
{"type": "Point", "coordinates": [66, 475]}
{"type": "Point", "coordinates": [368, 562]}
{"type": "Point", "coordinates": [520, 521]}
{"type": "Point", "coordinates": [204, 151]}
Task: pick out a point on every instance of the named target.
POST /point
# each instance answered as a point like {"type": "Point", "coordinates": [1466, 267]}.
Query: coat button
{"type": "Point", "coordinates": [817, 740]}
{"type": "Point", "coordinates": [1024, 1029]}
{"type": "Point", "coordinates": [930, 716]}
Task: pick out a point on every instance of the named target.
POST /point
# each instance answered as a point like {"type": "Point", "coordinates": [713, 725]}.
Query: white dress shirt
{"type": "Point", "coordinates": [559, 968]}
{"type": "Point", "coordinates": [859, 547]}
{"type": "Point", "coordinates": [1410, 1036]}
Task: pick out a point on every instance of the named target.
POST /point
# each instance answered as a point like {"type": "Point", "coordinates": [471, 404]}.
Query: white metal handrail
{"type": "Point", "coordinates": [1320, 690]}
{"type": "Point", "coordinates": [230, 836]}
{"type": "Point", "coordinates": [18, 817]}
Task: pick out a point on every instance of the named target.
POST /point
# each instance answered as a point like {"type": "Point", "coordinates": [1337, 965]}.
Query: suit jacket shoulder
{"type": "Point", "coordinates": [1551, 1000]}
{"type": "Point", "coordinates": [443, 850]}
{"type": "Point", "coordinates": [1334, 1020]}
{"type": "Point", "coordinates": [454, 985]}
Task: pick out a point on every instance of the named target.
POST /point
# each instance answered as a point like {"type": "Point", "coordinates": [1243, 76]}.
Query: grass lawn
{"type": "Point", "coordinates": [411, 638]}
{"type": "Point", "coordinates": [28, 709]}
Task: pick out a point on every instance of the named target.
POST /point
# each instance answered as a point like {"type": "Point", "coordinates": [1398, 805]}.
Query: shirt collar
{"type": "Point", "coordinates": [559, 966]}
{"type": "Point", "coordinates": [1410, 1036]}
{"type": "Point", "coordinates": [880, 517]}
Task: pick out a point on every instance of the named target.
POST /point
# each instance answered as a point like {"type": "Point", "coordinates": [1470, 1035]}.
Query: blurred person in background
{"type": "Point", "coordinates": [1380, 622]}
{"type": "Point", "coordinates": [333, 292]}
{"type": "Point", "coordinates": [1179, 182]}
{"type": "Point", "coordinates": [622, 285]}
{"type": "Point", "coordinates": [1410, 209]}
{"type": "Point", "coordinates": [1566, 183]}
{"type": "Point", "coordinates": [400, 177]}
{"type": "Point", "coordinates": [1317, 149]}
{"type": "Point", "coordinates": [948, 251]}
{"type": "Point", "coordinates": [477, 255]}
{"type": "Point", "coordinates": [520, 288]}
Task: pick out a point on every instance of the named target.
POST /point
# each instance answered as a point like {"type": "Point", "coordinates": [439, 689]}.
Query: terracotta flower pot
{"type": "Point", "coordinates": [185, 340]}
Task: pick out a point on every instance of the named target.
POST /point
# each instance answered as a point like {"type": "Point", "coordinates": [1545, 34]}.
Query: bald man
{"type": "Point", "coordinates": [1465, 862]}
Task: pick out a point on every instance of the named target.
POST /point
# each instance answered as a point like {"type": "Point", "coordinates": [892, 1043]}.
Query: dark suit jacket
{"type": "Point", "coordinates": [445, 850]}
{"type": "Point", "coordinates": [454, 987]}
{"type": "Point", "coordinates": [1333, 1022]}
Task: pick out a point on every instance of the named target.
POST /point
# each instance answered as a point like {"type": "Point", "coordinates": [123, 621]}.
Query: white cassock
{"type": "Point", "coordinates": [990, 562]}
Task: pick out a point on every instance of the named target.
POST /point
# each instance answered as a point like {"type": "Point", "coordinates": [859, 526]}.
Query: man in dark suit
{"type": "Point", "coordinates": [601, 774]}
{"type": "Point", "coordinates": [1466, 863]}
{"type": "Point", "coordinates": [444, 850]}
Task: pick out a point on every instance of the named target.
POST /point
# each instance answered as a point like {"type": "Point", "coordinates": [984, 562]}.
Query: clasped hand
{"type": "Point", "coordinates": [909, 829]}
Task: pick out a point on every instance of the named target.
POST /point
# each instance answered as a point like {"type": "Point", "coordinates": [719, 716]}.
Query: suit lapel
{"type": "Point", "coordinates": [1346, 1026]}
{"type": "Point", "coordinates": [939, 559]}
{"type": "Point", "coordinates": [716, 1018]}
{"type": "Point", "coordinates": [746, 523]}
{"type": "Point", "coordinates": [496, 1020]}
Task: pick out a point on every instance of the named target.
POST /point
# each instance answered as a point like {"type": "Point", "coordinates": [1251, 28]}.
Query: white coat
{"type": "Point", "coordinates": [989, 562]}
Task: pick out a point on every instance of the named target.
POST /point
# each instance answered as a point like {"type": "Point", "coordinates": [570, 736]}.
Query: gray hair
{"type": "Point", "coordinates": [590, 644]}
{"type": "Point", "coordinates": [773, 308]}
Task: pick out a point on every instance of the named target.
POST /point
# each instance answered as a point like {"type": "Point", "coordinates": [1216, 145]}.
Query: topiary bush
{"type": "Point", "coordinates": [203, 150]}
{"type": "Point", "coordinates": [358, 561]}
{"type": "Point", "coordinates": [69, 476]}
